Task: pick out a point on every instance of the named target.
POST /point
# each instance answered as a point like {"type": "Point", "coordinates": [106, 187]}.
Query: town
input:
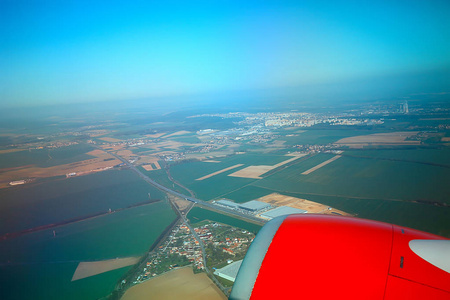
{"type": "Point", "coordinates": [224, 245]}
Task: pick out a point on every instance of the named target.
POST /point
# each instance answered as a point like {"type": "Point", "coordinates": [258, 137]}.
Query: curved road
{"type": "Point", "coordinates": [183, 217]}
{"type": "Point", "coordinates": [189, 198]}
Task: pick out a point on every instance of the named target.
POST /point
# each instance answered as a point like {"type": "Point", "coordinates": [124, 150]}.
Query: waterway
{"type": "Point", "coordinates": [40, 264]}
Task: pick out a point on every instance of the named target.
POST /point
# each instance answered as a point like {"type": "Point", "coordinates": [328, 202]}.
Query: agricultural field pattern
{"type": "Point", "coordinates": [88, 205]}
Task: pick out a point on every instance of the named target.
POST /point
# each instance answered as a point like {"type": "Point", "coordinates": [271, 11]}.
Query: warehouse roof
{"type": "Point", "coordinates": [227, 203]}
{"type": "Point", "coordinates": [281, 211]}
{"type": "Point", "coordinates": [254, 205]}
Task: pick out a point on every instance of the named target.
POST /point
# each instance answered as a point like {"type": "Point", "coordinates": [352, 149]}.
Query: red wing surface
{"type": "Point", "coordinates": [335, 257]}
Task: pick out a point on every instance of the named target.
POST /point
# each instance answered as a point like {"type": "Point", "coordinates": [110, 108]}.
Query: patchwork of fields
{"type": "Point", "coordinates": [35, 205]}
{"type": "Point", "coordinates": [45, 260]}
{"type": "Point", "coordinates": [406, 187]}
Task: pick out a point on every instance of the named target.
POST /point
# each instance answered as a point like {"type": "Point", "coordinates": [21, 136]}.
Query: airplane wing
{"type": "Point", "coordinates": [336, 257]}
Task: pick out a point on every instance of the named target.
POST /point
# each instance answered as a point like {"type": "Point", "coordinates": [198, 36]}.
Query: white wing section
{"type": "Point", "coordinates": [436, 252]}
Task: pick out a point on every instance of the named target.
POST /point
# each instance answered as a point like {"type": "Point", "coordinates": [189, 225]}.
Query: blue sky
{"type": "Point", "coordinates": [77, 51]}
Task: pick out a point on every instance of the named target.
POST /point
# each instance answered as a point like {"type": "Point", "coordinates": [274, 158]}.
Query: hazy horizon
{"type": "Point", "coordinates": [59, 53]}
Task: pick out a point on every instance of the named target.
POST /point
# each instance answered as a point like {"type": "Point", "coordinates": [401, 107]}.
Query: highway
{"type": "Point", "coordinates": [198, 202]}
{"type": "Point", "coordinates": [189, 198]}
{"type": "Point", "coordinates": [202, 247]}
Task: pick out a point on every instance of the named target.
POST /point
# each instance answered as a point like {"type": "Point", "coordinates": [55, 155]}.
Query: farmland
{"type": "Point", "coordinates": [177, 284]}
{"type": "Point", "coordinates": [320, 136]}
{"type": "Point", "coordinates": [349, 176]}
{"type": "Point", "coordinates": [43, 163]}
{"type": "Point", "coordinates": [366, 178]}
{"type": "Point", "coordinates": [197, 215]}
{"type": "Point", "coordinates": [45, 158]}
{"type": "Point", "coordinates": [34, 205]}
{"type": "Point", "coordinates": [406, 187]}
{"type": "Point", "coordinates": [396, 173]}
{"type": "Point", "coordinates": [187, 173]}
{"type": "Point", "coordinates": [422, 216]}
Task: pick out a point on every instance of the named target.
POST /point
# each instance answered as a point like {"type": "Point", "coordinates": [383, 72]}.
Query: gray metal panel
{"type": "Point", "coordinates": [246, 277]}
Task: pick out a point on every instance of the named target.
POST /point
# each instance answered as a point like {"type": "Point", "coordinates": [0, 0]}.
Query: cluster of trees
{"type": "Point", "coordinates": [215, 255]}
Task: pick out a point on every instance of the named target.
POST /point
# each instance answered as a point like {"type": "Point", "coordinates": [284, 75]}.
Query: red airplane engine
{"type": "Point", "coordinates": [335, 257]}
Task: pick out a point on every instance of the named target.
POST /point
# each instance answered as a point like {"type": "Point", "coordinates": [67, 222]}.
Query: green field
{"type": "Point", "coordinates": [45, 158]}
{"type": "Point", "coordinates": [28, 206]}
{"type": "Point", "coordinates": [141, 150]}
{"type": "Point", "coordinates": [221, 184]}
{"type": "Point", "coordinates": [41, 266]}
{"type": "Point", "coordinates": [349, 176]}
{"type": "Point", "coordinates": [432, 156]}
{"type": "Point", "coordinates": [425, 217]}
{"type": "Point", "coordinates": [160, 176]}
{"type": "Point", "coordinates": [197, 215]}
{"type": "Point", "coordinates": [364, 178]}
{"type": "Point", "coordinates": [313, 137]}
{"type": "Point", "coordinates": [189, 172]}
{"type": "Point", "coordinates": [247, 193]}
{"type": "Point", "coordinates": [193, 139]}
{"type": "Point", "coordinates": [405, 187]}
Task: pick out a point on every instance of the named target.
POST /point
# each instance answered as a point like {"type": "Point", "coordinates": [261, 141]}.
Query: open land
{"type": "Point", "coordinates": [182, 132]}
{"type": "Point", "coordinates": [10, 151]}
{"type": "Point", "coordinates": [220, 184]}
{"type": "Point", "coordinates": [310, 206]}
{"type": "Point", "coordinates": [364, 178]}
{"type": "Point", "coordinates": [219, 172]}
{"type": "Point", "coordinates": [109, 139]}
{"type": "Point", "coordinates": [102, 161]}
{"type": "Point", "coordinates": [72, 198]}
{"type": "Point", "coordinates": [252, 172]}
{"type": "Point", "coordinates": [149, 166]}
{"type": "Point", "coordinates": [113, 147]}
{"type": "Point", "coordinates": [91, 268]}
{"type": "Point", "coordinates": [97, 133]}
{"type": "Point", "coordinates": [156, 135]}
{"type": "Point", "coordinates": [256, 172]}
{"type": "Point", "coordinates": [198, 214]}
{"type": "Point", "coordinates": [321, 165]}
{"type": "Point", "coordinates": [177, 284]}
{"type": "Point", "coordinates": [405, 184]}
{"type": "Point", "coordinates": [181, 204]}
{"type": "Point", "coordinates": [391, 138]}
{"type": "Point", "coordinates": [125, 153]}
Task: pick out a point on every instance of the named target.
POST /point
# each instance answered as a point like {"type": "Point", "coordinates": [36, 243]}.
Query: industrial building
{"type": "Point", "coordinates": [282, 211]}
{"type": "Point", "coordinates": [254, 205]}
{"type": "Point", "coordinates": [230, 271]}
{"type": "Point", "coordinates": [228, 204]}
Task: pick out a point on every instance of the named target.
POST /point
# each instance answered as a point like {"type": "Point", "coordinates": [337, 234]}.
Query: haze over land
{"type": "Point", "coordinates": [68, 179]}
{"type": "Point", "coordinates": [141, 141]}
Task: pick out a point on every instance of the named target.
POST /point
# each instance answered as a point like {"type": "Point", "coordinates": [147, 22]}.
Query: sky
{"type": "Point", "coordinates": [83, 51]}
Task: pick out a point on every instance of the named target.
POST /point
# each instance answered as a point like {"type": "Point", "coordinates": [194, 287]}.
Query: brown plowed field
{"type": "Point", "coordinates": [310, 206]}
{"type": "Point", "coordinates": [175, 285]}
